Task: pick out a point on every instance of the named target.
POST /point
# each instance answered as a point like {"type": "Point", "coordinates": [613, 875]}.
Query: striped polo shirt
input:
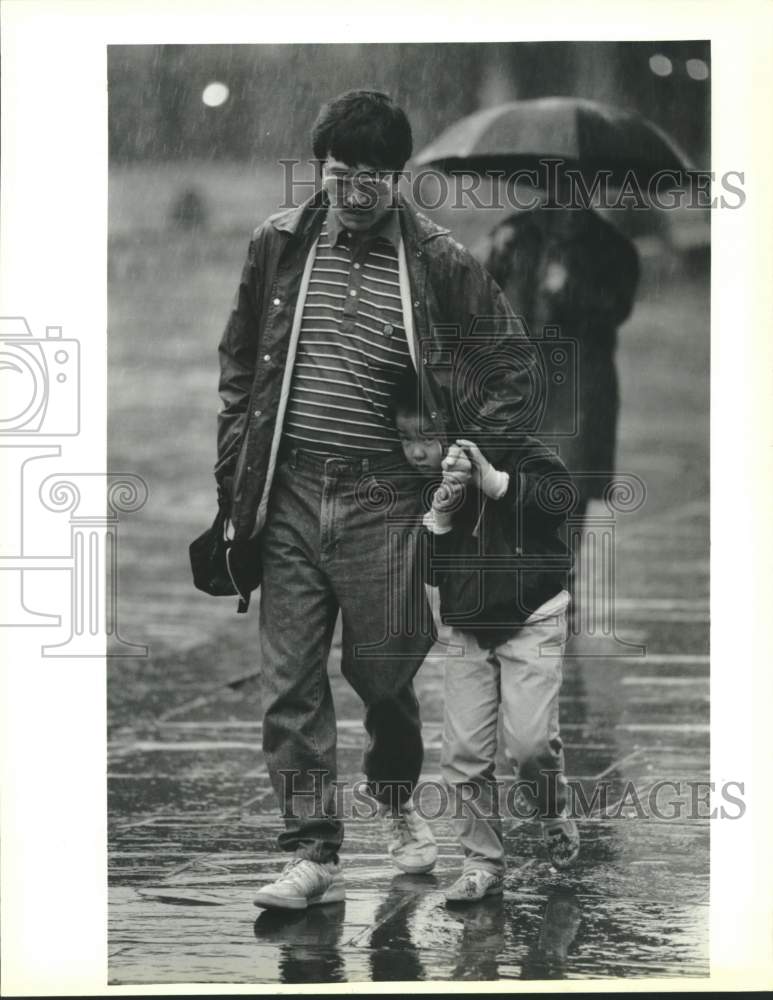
{"type": "Point", "coordinates": [352, 346]}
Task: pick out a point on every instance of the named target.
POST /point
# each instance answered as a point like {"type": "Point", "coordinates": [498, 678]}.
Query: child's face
{"type": "Point", "coordinates": [423, 453]}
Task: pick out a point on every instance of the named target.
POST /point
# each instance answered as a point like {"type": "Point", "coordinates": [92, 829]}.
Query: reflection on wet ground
{"type": "Point", "coordinates": [308, 943]}
{"type": "Point", "coordinates": [397, 928]}
{"type": "Point", "coordinates": [193, 826]}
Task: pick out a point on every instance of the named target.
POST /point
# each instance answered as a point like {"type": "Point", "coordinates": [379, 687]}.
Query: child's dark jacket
{"type": "Point", "coordinates": [504, 558]}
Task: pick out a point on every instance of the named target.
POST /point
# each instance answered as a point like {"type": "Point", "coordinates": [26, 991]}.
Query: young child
{"type": "Point", "coordinates": [501, 568]}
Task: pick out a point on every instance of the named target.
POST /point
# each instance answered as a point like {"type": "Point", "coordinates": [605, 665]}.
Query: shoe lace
{"type": "Point", "coordinates": [300, 872]}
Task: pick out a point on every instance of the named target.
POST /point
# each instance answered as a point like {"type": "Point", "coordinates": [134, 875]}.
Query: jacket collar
{"type": "Point", "coordinates": [387, 228]}
{"type": "Point", "coordinates": [417, 228]}
{"type": "Point", "coordinates": [293, 219]}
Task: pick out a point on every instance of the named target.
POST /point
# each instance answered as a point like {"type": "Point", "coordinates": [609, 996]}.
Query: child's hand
{"type": "Point", "coordinates": [447, 495]}
{"type": "Point", "coordinates": [488, 479]}
{"type": "Point", "coordinates": [456, 466]}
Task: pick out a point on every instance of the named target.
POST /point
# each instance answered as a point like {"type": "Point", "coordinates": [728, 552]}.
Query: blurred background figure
{"type": "Point", "coordinates": [567, 271]}
{"type": "Point", "coordinates": [571, 269]}
{"type": "Point", "coordinates": [189, 210]}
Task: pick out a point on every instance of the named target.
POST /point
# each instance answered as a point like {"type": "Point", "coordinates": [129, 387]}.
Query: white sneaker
{"type": "Point", "coordinates": [303, 883]}
{"type": "Point", "coordinates": [473, 885]}
{"type": "Point", "coordinates": [409, 840]}
{"type": "Point", "coordinates": [562, 840]}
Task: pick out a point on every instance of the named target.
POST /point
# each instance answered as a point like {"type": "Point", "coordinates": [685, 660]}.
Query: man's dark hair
{"type": "Point", "coordinates": [363, 126]}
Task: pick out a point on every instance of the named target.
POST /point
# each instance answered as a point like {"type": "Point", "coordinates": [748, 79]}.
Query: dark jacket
{"type": "Point", "coordinates": [572, 270]}
{"type": "Point", "coordinates": [504, 558]}
{"type": "Point", "coordinates": [476, 366]}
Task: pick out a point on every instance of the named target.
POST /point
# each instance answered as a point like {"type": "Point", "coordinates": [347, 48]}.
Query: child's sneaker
{"type": "Point", "coordinates": [409, 840]}
{"type": "Point", "coordinates": [562, 840]}
{"type": "Point", "coordinates": [303, 883]}
{"type": "Point", "coordinates": [473, 885]}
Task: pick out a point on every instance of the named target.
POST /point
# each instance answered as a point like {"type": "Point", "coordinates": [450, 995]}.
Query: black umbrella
{"type": "Point", "coordinates": [585, 135]}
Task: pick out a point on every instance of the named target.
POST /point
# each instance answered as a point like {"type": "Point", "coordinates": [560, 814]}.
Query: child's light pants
{"type": "Point", "coordinates": [524, 676]}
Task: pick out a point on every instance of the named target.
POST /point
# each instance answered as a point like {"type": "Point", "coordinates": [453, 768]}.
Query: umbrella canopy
{"type": "Point", "coordinates": [585, 135]}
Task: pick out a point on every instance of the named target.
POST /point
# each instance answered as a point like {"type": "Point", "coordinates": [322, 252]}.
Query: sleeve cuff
{"type": "Point", "coordinates": [435, 523]}
{"type": "Point", "coordinates": [497, 487]}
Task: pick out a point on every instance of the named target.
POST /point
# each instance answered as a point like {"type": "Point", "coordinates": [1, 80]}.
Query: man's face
{"type": "Point", "coordinates": [423, 453]}
{"type": "Point", "coordinates": [359, 195]}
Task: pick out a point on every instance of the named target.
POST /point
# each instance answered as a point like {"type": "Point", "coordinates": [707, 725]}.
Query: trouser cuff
{"type": "Point", "coordinates": [317, 852]}
{"type": "Point", "coordinates": [391, 794]}
{"type": "Point", "coordinates": [487, 865]}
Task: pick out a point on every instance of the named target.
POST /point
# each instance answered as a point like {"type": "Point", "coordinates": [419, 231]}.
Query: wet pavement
{"type": "Point", "coordinates": [193, 823]}
{"type": "Point", "coordinates": [192, 819]}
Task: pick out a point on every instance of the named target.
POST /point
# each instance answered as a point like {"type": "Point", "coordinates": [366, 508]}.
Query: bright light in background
{"type": "Point", "coordinates": [661, 65]}
{"type": "Point", "coordinates": [697, 69]}
{"type": "Point", "coordinates": [215, 94]}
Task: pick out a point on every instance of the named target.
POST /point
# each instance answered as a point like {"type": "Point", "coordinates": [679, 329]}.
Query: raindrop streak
{"type": "Point", "coordinates": [215, 94]}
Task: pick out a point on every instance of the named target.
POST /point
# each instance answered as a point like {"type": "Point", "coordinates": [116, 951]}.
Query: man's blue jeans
{"type": "Point", "coordinates": [340, 534]}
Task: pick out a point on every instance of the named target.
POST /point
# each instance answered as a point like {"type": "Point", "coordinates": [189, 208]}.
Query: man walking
{"type": "Point", "coordinates": [338, 297]}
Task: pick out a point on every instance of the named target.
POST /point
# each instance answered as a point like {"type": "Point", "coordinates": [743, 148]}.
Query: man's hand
{"type": "Point", "coordinates": [456, 466]}
{"type": "Point", "coordinates": [488, 479]}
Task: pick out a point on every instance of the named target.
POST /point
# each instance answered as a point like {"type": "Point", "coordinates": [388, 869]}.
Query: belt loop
{"type": "Point", "coordinates": [293, 458]}
{"type": "Point", "coordinates": [365, 464]}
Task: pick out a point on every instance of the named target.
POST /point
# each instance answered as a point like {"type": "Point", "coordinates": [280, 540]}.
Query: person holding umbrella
{"type": "Point", "coordinates": [569, 268]}
{"type": "Point", "coordinates": [560, 263]}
